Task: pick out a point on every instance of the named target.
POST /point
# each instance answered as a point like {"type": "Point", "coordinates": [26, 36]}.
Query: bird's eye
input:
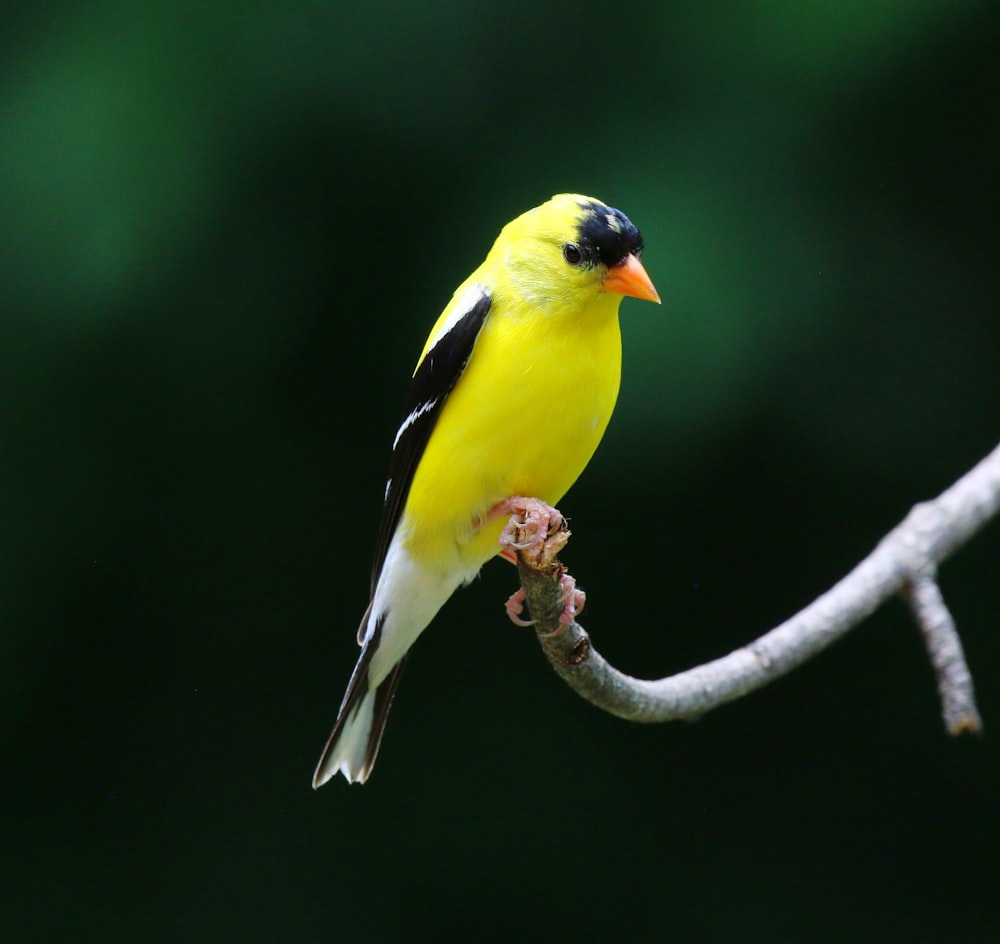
{"type": "Point", "coordinates": [572, 254]}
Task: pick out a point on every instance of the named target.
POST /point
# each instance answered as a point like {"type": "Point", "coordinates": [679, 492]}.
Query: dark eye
{"type": "Point", "coordinates": [572, 254]}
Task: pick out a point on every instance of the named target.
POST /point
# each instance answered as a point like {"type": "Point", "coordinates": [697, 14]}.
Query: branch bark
{"type": "Point", "coordinates": [904, 563]}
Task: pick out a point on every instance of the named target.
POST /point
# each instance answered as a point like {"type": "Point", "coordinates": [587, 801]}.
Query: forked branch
{"type": "Point", "coordinates": [904, 563]}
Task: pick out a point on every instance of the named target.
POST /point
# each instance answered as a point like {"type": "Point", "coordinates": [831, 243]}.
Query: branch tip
{"type": "Point", "coordinates": [944, 647]}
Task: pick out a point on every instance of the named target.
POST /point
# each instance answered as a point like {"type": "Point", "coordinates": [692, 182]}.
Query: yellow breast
{"type": "Point", "coordinates": [524, 419]}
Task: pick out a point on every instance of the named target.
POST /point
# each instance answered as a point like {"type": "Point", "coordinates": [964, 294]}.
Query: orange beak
{"type": "Point", "coordinates": [630, 278]}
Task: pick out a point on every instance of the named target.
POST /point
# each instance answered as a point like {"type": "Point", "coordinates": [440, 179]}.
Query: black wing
{"type": "Point", "coordinates": [433, 380]}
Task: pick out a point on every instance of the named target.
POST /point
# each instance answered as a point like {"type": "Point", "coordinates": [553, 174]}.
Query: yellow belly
{"type": "Point", "coordinates": [524, 419]}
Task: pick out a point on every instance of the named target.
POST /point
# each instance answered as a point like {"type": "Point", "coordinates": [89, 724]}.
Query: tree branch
{"type": "Point", "coordinates": [958, 702]}
{"type": "Point", "coordinates": [905, 562]}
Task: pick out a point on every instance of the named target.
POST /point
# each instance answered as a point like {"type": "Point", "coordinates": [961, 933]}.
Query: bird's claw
{"type": "Point", "coordinates": [572, 600]}
{"type": "Point", "coordinates": [535, 530]}
{"type": "Point", "coordinates": [515, 607]}
{"type": "Point", "coordinates": [535, 534]}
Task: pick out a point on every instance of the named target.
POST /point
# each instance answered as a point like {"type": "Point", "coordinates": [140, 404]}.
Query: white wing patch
{"type": "Point", "coordinates": [424, 407]}
{"type": "Point", "coordinates": [470, 297]}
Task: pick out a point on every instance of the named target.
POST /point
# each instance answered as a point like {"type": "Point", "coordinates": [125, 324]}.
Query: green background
{"type": "Point", "coordinates": [224, 233]}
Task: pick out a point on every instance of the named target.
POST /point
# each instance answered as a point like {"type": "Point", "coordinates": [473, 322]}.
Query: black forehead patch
{"type": "Point", "coordinates": [607, 235]}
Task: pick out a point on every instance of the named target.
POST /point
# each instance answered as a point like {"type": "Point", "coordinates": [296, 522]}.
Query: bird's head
{"type": "Point", "coordinates": [574, 248]}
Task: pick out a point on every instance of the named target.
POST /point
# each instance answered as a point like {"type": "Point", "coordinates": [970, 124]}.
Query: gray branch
{"type": "Point", "coordinates": [904, 563]}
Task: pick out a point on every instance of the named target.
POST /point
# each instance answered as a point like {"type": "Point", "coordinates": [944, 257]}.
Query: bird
{"type": "Point", "coordinates": [510, 397]}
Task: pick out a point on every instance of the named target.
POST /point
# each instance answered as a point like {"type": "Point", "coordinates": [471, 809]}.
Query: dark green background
{"type": "Point", "coordinates": [224, 233]}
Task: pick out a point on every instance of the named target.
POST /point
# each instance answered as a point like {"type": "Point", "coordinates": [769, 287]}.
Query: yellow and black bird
{"type": "Point", "coordinates": [510, 397]}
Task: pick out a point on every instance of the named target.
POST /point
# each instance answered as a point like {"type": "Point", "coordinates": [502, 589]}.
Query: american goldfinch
{"type": "Point", "coordinates": [510, 397]}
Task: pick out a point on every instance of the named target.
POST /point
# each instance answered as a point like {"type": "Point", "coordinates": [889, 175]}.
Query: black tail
{"type": "Point", "coordinates": [353, 744]}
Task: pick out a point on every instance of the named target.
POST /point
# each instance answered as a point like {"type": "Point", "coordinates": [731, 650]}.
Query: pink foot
{"type": "Point", "coordinates": [573, 602]}
{"type": "Point", "coordinates": [535, 529]}
{"type": "Point", "coordinates": [515, 607]}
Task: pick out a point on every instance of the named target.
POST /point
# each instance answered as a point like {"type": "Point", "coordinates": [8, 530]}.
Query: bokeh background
{"type": "Point", "coordinates": [224, 233]}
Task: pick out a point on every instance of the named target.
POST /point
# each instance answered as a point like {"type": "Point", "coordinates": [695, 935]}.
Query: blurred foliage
{"type": "Point", "coordinates": [224, 233]}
